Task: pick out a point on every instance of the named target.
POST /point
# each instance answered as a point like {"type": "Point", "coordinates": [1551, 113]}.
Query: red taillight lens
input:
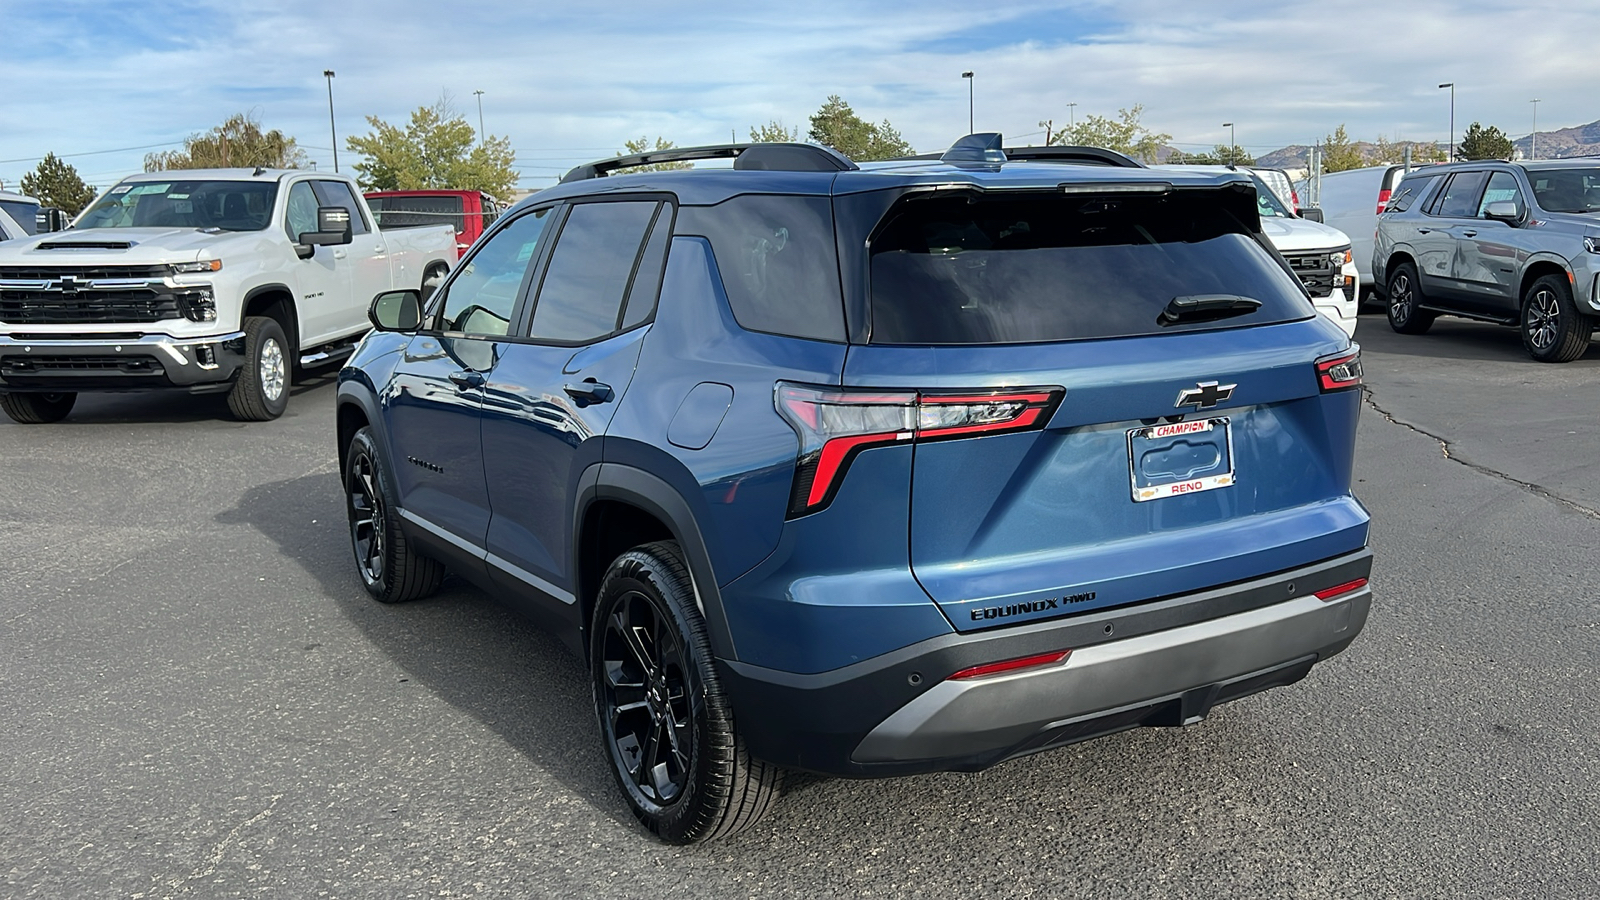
{"type": "Point", "coordinates": [1340, 372]}
{"type": "Point", "coordinates": [1011, 665]}
{"type": "Point", "coordinates": [1383, 199]}
{"type": "Point", "coordinates": [1295, 196]}
{"type": "Point", "coordinates": [1339, 590]}
{"type": "Point", "coordinates": [836, 425]}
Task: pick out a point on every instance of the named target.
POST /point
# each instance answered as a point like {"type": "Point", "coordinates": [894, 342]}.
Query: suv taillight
{"type": "Point", "coordinates": [1383, 199]}
{"type": "Point", "coordinates": [1341, 371]}
{"type": "Point", "coordinates": [836, 425]}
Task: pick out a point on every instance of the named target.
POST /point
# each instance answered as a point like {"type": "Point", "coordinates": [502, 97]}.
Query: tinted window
{"type": "Point", "coordinates": [21, 213]}
{"type": "Point", "coordinates": [179, 203]}
{"type": "Point", "coordinates": [589, 270]}
{"type": "Point", "coordinates": [302, 215]}
{"type": "Point", "coordinates": [1502, 186]}
{"type": "Point", "coordinates": [337, 193]}
{"type": "Point", "coordinates": [413, 212]}
{"type": "Point", "coordinates": [1460, 197]}
{"type": "Point", "coordinates": [484, 292]}
{"type": "Point", "coordinates": [1411, 190]}
{"type": "Point", "coordinates": [1566, 190]}
{"type": "Point", "coordinates": [646, 285]}
{"type": "Point", "coordinates": [778, 262]}
{"type": "Point", "coordinates": [1054, 268]}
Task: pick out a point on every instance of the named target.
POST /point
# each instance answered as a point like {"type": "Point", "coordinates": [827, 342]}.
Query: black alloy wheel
{"type": "Point", "coordinates": [390, 569]}
{"type": "Point", "coordinates": [1552, 328]}
{"type": "Point", "coordinates": [665, 723]}
{"type": "Point", "coordinates": [1405, 298]}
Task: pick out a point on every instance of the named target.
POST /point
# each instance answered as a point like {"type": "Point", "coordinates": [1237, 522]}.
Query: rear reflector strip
{"type": "Point", "coordinates": [1011, 665]}
{"type": "Point", "coordinates": [1339, 590]}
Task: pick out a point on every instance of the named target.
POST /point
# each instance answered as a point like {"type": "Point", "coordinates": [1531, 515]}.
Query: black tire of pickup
{"type": "Point", "coordinates": [390, 569]}
{"type": "Point", "coordinates": [38, 409]}
{"type": "Point", "coordinates": [261, 391]}
{"type": "Point", "coordinates": [1553, 330]}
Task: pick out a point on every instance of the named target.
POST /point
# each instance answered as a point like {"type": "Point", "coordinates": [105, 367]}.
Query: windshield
{"type": "Point", "coordinates": [1052, 268]}
{"type": "Point", "coordinates": [1267, 202]}
{"type": "Point", "coordinates": [223, 205]}
{"type": "Point", "coordinates": [1566, 190]}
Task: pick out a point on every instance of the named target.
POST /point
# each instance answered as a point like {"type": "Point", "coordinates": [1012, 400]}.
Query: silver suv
{"type": "Point", "coordinates": [1513, 243]}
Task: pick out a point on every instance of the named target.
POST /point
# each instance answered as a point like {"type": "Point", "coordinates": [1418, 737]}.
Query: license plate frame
{"type": "Point", "coordinates": [1146, 488]}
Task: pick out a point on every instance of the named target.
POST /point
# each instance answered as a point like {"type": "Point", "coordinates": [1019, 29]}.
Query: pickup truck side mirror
{"type": "Point", "coordinates": [1311, 214]}
{"type": "Point", "coordinates": [1503, 211]}
{"type": "Point", "coordinates": [396, 311]}
{"type": "Point", "coordinates": [49, 219]}
{"type": "Point", "coordinates": [333, 227]}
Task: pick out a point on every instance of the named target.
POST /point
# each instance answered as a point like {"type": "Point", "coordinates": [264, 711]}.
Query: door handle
{"type": "Point", "coordinates": [1469, 234]}
{"type": "Point", "coordinates": [589, 391]}
{"type": "Point", "coordinates": [467, 379]}
{"type": "Point", "coordinates": [340, 254]}
{"type": "Point", "coordinates": [1424, 231]}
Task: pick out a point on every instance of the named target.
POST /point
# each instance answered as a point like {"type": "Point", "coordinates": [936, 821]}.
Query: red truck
{"type": "Point", "coordinates": [470, 212]}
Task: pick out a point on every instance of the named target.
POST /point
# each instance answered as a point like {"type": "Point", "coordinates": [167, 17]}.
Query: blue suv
{"type": "Point", "coordinates": [875, 469]}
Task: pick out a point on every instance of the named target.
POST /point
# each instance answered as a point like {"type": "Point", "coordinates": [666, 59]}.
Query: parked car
{"type": "Point", "coordinates": [203, 281]}
{"type": "Point", "coordinates": [21, 209]}
{"type": "Point", "coordinates": [1065, 451]}
{"type": "Point", "coordinates": [1350, 201]}
{"type": "Point", "coordinates": [1319, 254]}
{"type": "Point", "coordinates": [1510, 242]}
{"type": "Point", "coordinates": [470, 213]}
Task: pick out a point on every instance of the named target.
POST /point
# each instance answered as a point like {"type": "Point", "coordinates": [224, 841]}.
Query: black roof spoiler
{"type": "Point", "coordinates": [986, 149]}
{"type": "Point", "coordinates": [769, 157]}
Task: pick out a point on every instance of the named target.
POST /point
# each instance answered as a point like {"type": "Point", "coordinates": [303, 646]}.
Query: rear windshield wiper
{"type": "Point", "coordinates": [1206, 308]}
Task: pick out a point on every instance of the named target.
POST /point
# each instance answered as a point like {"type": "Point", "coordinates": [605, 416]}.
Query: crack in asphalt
{"type": "Point", "coordinates": [1445, 448]}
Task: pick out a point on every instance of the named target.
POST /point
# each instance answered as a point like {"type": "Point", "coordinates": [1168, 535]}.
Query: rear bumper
{"type": "Point", "coordinates": [1166, 662]}
{"type": "Point", "coordinates": [137, 363]}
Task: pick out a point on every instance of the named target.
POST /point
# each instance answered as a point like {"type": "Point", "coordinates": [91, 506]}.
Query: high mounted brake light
{"type": "Point", "coordinates": [1340, 372]}
{"type": "Point", "coordinates": [836, 425]}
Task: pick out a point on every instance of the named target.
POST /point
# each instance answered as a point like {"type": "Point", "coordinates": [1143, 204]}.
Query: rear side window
{"type": "Point", "coordinates": [1050, 267]}
{"type": "Point", "coordinates": [1411, 190]}
{"type": "Point", "coordinates": [590, 269]}
{"type": "Point", "coordinates": [778, 262]}
{"type": "Point", "coordinates": [1460, 197]}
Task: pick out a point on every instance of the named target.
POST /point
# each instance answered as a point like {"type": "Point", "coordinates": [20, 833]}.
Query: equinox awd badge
{"type": "Point", "coordinates": [1205, 395]}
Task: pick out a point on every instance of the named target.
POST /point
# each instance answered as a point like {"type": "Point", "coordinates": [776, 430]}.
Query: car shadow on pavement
{"type": "Point", "coordinates": [1454, 338]}
{"type": "Point", "coordinates": [177, 407]}
{"type": "Point", "coordinates": [460, 644]}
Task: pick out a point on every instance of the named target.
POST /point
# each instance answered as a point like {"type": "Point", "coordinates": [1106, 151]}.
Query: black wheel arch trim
{"type": "Point", "coordinates": [351, 393]}
{"type": "Point", "coordinates": [625, 483]}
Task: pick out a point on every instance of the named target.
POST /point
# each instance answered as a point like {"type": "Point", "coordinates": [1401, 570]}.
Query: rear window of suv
{"type": "Point", "coordinates": [1050, 267]}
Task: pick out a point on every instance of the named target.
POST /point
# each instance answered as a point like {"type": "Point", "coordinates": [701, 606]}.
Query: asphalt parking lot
{"type": "Point", "coordinates": [198, 699]}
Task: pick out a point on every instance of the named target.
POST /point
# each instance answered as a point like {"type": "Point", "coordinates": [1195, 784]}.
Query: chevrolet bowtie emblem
{"type": "Point", "coordinates": [1205, 395]}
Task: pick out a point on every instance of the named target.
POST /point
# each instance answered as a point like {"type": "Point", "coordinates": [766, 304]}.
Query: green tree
{"type": "Point", "coordinates": [55, 183]}
{"type": "Point", "coordinates": [1384, 151]}
{"type": "Point", "coordinates": [642, 145]}
{"type": "Point", "coordinates": [1124, 134]}
{"type": "Point", "coordinates": [236, 143]}
{"type": "Point", "coordinates": [436, 149]}
{"type": "Point", "coordinates": [774, 132]}
{"type": "Point", "coordinates": [836, 125]}
{"type": "Point", "coordinates": [1485, 143]}
{"type": "Point", "coordinates": [1220, 155]}
{"type": "Point", "coordinates": [1338, 154]}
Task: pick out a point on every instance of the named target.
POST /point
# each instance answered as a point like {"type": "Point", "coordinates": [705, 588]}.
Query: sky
{"type": "Point", "coordinates": [103, 83]}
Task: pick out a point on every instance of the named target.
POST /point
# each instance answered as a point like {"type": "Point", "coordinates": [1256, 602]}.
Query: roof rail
{"type": "Point", "coordinates": [769, 157]}
{"type": "Point", "coordinates": [1092, 156]}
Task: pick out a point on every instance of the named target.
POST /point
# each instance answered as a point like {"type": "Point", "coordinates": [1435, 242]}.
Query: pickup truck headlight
{"type": "Point", "coordinates": [1340, 257]}
{"type": "Point", "coordinates": [1592, 244]}
{"type": "Point", "coordinates": [197, 268]}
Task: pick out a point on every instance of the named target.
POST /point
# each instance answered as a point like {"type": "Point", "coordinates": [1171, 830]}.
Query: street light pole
{"type": "Point", "coordinates": [1452, 86]}
{"type": "Point", "coordinates": [480, 116]}
{"type": "Point", "coordinates": [1231, 154]}
{"type": "Point", "coordinates": [1533, 148]}
{"type": "Point", "coordinates": [1072, 115]}
{"type": "Point", "coordinates": [332, 130]}
{"type": "Point", "coordinates": [969, 78]}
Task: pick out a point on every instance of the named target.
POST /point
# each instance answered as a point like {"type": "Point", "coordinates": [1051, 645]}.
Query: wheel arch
{"type": "Point", "coordinates": [1536, 270]}
{"type": "Point", "coordinates": [356, 409]}
{"type": "Point", "coordinates": [275, 301]}
{"type": "Point", "coordinates": [618, 507]}
{"type": "Point", "coordinates": [1397, 257]}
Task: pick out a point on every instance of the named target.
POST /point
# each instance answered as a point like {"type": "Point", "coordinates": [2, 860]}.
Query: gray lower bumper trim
{"type": "Point", "coordinates": [181, 358]}
{"type": "Point", "coordinates": [980, 715]}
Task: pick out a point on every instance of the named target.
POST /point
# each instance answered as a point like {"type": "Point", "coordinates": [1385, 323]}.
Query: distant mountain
{"type": "Point", "coordinates": [1579, 140]}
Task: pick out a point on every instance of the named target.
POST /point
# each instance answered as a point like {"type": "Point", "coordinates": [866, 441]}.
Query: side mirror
{"type": "Point", "coordinates": [333, 227]}
{"type": "Point", "coordinates": [396, 311]}
{"type": "Point", "coordinates": [49, 219]}
{"type": "Point", "coordinates": [1311, 214]}
{"type": "Point", "coordinates": [1503, 211]}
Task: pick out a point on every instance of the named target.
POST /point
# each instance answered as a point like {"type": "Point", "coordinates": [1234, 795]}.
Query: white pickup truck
{"type": "Point", "coordinates": [221, 280]}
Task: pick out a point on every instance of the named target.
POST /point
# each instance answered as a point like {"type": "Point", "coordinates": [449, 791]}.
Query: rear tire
{"type": "Point", "coordinates": [1553, 330]}
{"type": "Point", "coordinates": [38, 409]}
{"type": "Point", "coordinates": [666, 725]}
{"type": "Point", "coordinates": [391, 571]}
{"type": "Point", "coordinates": [1405, 298]}
{"type": "Point", "coordinates": [431, 282]}
{"type": "Point", "coordinates": [261, 391]}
